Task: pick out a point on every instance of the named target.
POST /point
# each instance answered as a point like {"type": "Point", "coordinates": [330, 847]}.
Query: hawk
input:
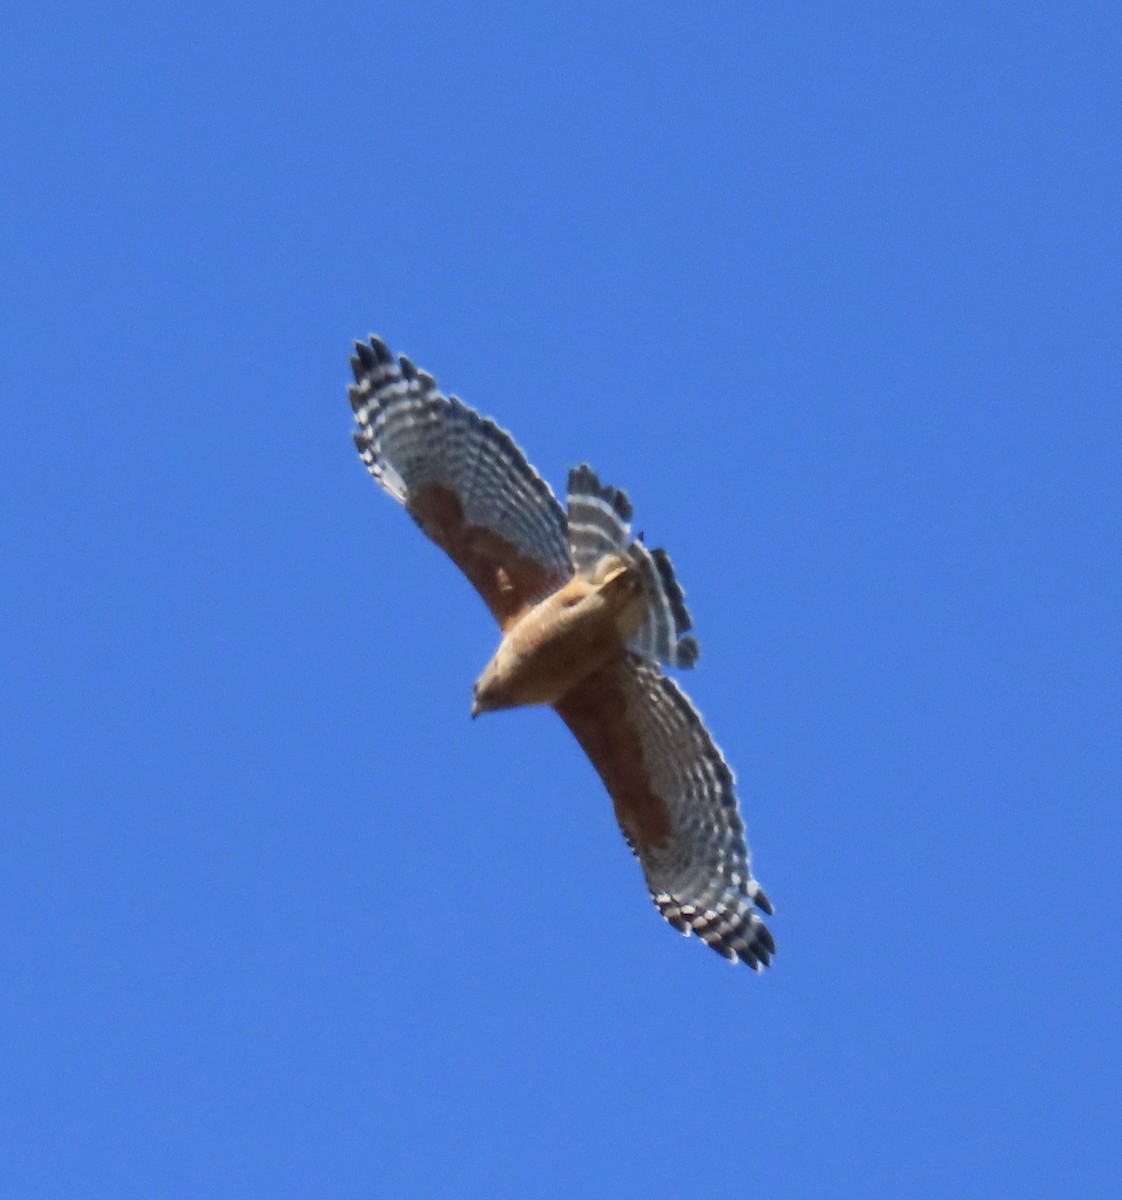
{"type": "Point", "coordinates": [587, 615]}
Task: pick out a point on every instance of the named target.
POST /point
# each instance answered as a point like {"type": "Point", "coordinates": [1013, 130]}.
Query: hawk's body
{"type": "Point", "coordinates": [586, 614]}
{"type": "Point", "coordinates": [554, 646]}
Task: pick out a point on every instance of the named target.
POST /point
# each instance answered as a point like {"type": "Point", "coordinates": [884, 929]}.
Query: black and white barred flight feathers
{"type": "Point", "coordinates": [433, 453]}
{"type": "Point", "coordinates": [700, 876]}
{"type": "Point", "coordinates": [410, 435]}
{"type": "Point", "coordinates": [471, 490]}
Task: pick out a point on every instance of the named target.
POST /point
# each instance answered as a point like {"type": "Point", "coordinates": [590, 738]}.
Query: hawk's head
{"type": "Point", "coordinates": [487, 694]}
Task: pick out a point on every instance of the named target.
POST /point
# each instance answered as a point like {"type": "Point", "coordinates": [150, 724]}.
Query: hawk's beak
{"type": "Point", "coordinates": [475, 709]}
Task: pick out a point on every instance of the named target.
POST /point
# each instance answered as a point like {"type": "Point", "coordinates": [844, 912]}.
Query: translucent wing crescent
{"type": "Point", "coordinates": [463, 480]}
{"type": "Point", "coordinates": [674, 798]}
{"type": "Point", "coordinates": [472, 491]}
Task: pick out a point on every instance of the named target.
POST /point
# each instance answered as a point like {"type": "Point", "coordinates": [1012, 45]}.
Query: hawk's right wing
{"type": "Point", "coordinates": [673, 796]}
{"type": "Point", "coordinates": [463, 480]}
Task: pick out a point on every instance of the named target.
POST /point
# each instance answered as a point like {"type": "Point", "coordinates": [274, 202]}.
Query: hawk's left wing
{"type": "Point", "coordinates": [462, 479]}
{"type": "Point", "coordinates": [673, 796]}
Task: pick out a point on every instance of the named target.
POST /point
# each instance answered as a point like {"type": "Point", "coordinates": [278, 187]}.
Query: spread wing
{"type": "Point", "coordinates": [674, 799]}
{"type": "Point", "coordinates": [463, 480]}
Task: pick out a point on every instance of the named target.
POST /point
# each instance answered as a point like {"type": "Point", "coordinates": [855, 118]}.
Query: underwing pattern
{"type": "Point", "coordinates": [588, 616]}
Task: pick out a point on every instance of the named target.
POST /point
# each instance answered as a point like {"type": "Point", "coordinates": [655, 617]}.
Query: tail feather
{"type": "Point", "coordinates": [599, 518]}
{"type": "Point", "coordinates": [599, 525]}
{"type": "Point", "coordinates": [665, 634]}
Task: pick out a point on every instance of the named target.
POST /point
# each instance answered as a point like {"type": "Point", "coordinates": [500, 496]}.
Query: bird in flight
{"type": "Point", "coordinates": [588, 615]}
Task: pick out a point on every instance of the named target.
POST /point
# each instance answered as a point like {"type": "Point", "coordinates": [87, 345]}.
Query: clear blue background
{"type": "Point", "coordinates": [833, 291]}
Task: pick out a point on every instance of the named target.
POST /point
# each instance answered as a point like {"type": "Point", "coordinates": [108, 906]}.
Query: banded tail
{"type": "Point", "coordinates": [600, 524]}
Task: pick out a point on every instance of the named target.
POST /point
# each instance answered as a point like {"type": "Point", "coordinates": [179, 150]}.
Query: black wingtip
{"type": "Point", "coordinates": [764, 939]}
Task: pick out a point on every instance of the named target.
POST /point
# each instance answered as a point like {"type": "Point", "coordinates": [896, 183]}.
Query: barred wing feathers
{"type": "Point", "coordinates": [462, 479]}
{"type": "Point", "coordinates": [674, 799]}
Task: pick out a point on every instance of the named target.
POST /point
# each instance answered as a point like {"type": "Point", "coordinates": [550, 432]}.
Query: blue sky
{"type": "Point", "coordinates": [833, 292]}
